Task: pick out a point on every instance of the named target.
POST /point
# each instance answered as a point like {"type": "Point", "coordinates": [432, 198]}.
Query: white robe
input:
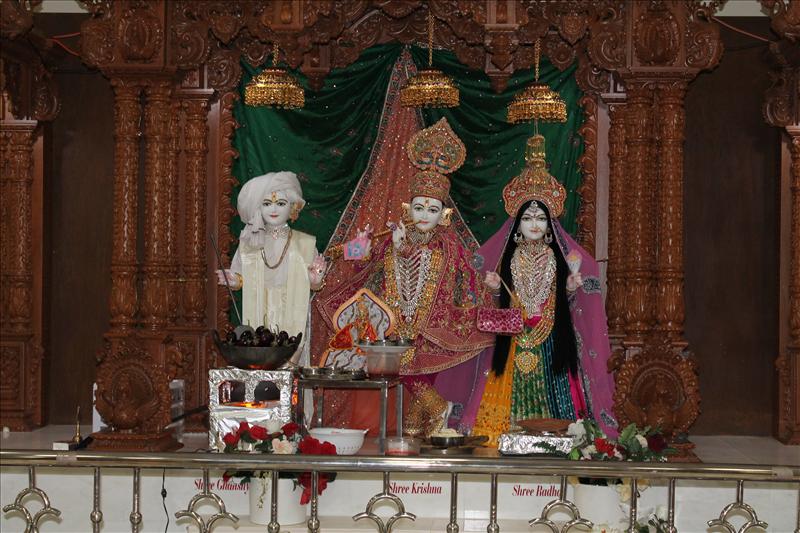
{"type": "Point", "coordinates": [277, 298]}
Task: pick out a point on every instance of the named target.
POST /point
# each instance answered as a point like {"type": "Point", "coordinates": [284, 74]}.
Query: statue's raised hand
{"type": "Point", "coordinates": [492, 280]}
{"type": "Point", "coordinates": [316, 272]}
{"type": "Point", "coordinates": [398, 233]}
{"type": "Point", "coordinates": [359, 247]}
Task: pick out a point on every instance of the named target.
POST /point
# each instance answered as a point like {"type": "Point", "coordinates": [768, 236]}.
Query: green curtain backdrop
{"type": "Point", "coordinates": [495, 148]}
{"type": "Point", "coordinates": [328, 142]}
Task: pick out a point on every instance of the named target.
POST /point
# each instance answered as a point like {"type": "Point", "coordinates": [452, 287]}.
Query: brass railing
{"type": "Point", "coordinates": [494, 467]}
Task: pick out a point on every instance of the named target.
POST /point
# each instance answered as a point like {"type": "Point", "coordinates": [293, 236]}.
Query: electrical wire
{"type": "Point", "coordinates": [64, 46]}
{"type": "Point", "coordinates": [739, 30]}
{"type": "Point", "coordinates": [164, 496]}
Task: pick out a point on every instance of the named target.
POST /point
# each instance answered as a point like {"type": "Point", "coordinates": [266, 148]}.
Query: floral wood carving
{"type": "Point", "coordinates": [16, 17]}
{"type": "Point", "coordinates": [785, 15]}
{"type": "Point", "coordinates": [587, 213]}
{"type": "Point", "coordinates": [225, 211]}
{"type": "Point", "coordinates": [658, 388]}
{"type": "Point", "coordinates": [132, 389]}
{"type": "Point", "coordinates": [704, 46]}
{"type": "Point", "coordinates": [140, 32]}
{"type": "Point", "coordinates": [31, 88]}
{"type": "Point", "coordinates": [657, 35]}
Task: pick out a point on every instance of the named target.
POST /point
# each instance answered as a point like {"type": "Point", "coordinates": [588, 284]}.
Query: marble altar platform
{"type": "Point", "coordinates": [520, 498]}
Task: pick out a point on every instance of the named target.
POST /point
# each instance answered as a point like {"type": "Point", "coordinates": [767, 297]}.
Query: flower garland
{"type": "Point", "coordinates": [281, 440]}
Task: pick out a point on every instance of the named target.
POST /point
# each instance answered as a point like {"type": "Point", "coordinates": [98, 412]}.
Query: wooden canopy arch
{"type": "Point", "coordinates": [174, 67]}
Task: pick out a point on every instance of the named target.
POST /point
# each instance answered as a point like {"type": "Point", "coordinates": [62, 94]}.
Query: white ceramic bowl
{"type": "Point", "coordinates": [347, 441]}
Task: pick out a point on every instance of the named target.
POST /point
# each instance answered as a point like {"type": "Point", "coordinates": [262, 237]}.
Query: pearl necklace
{"type": "Point", "coordinates": [533, 269]}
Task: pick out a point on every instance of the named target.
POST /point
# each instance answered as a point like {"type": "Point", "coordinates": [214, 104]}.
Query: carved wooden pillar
{"type": "Point", "coordinates": [127, 117]}
{"type": "Point", "coordinates": [637, 271]}
{"type": "Point", "coordinates": [669, 304]}
{"type": "Point", "coordinates": [788, 364]}
{"type": "Point", "coordinates": [617, 245]}
{"type": "Point", "coordinates": [20, 349]}
{"type": "Point", "coordinates": [158, 245]}
{"type": "Point", "coordinates": [782, 109]}
{"type": "Point", "coordinates": [17, 178]}
{"type": "Point", "coordinates": [173, 180]}
{"type": "Point", "coordinates": [195, 106]}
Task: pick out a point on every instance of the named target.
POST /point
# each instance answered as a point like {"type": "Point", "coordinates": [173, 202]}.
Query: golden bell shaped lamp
{"type": "Point", "coordinates": [274, 87]}
{"type": "Point", "coordinates": [429, 87]}
{"type": "Point", "coordinates": [537, 102]}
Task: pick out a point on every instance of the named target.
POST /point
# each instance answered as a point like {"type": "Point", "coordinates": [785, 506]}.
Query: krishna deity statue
{"type": "Point", "coordinates": [424, 273]}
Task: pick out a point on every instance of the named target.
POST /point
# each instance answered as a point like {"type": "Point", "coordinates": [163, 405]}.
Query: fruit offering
{"type": "Point", "coordinates": [261, 337]}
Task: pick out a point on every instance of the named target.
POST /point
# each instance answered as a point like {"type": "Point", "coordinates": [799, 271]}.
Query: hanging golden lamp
{"type": "Point", "coordinates": [429, 87]}
{"type": "Point", "coordinates": [274, 87]}
{"type": "Point", "coordinates": [537, 102]}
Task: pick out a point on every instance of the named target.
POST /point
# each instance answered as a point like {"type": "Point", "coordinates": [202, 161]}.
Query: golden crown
{"type": "Point", "coordinates": [436, 151]}
{"type": "Point", "coordinates": [535, 183]}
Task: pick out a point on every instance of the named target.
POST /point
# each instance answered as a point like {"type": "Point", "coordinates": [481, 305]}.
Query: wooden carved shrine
{"type": "Point", "coordinates": [174, 67]}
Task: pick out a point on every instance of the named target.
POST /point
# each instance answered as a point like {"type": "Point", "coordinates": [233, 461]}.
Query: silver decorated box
{"type": "Point", "coordinates": [224, 418]}
{"type": "Point", "coordinates": [532, 444]}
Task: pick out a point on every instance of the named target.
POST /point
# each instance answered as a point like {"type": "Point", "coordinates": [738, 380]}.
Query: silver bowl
{"type": "Point", "coordinates": [316, 371]}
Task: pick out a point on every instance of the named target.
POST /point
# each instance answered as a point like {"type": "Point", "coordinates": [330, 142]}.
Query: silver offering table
{"type": "Point", "coordinates": [333, 383]}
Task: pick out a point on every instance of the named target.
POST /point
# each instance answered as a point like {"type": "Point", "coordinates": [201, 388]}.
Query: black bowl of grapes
{"type": "Point", "coordinates": [261, 348]}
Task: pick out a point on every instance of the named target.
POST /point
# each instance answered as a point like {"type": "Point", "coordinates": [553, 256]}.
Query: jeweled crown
{"type": "Point", "coordinates": [436, 151]}
{"type": "Point", "coordinates": [534, 183]}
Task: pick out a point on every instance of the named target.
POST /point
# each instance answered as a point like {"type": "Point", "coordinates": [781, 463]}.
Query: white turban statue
{"type": "Point", "coordinates": [275, 266]}
{"type": "Point", "coordinates": [253, 194]}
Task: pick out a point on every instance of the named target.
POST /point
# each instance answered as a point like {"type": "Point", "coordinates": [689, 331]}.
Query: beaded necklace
{"type": "Point", "coordinates": [533, 269]}
{"type": "Point", "coordinates": [275, 236]}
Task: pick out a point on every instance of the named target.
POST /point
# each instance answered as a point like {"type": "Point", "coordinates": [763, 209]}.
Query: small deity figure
{"type": "Point", "coordinates": [275, 266]}
{"type": "Point", "coordinates": [555, 367]}
{"type": "Point", "coordinates": [424, 273]}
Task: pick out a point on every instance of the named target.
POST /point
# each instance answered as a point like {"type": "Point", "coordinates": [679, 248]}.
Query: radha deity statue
{"type": "Point", "coordinates": [275, 266]}
{"type": "Point", "coordinates": [556, 367]}
{"type": "Point", "coordinates": [424, 273]}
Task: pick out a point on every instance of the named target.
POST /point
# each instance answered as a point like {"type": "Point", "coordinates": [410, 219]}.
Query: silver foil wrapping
{"type": "Point", "coordinates": [528, 444]}
{"type": "Point", "coordinates": [226, 418]}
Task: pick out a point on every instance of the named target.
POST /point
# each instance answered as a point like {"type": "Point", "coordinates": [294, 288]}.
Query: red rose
{"type": "Point", "coordinates": [304, 480]}
{"type": "Point", "coordinates": [243, 426]}
{"type": "Point", "coordinates": [309, 446]}
{"type": "Point", "coordinates": [259, 433]}
{"type": "Point", "coordinates": [231, 439]}
{"type": "Point", "coordinates": [656, 442]}
{"type": "Point", "coordinates": [290, 429]}
{"type": "Point", "coordinates": [327, 448]}
{"type": "Point", "coordinates": [603, 446]}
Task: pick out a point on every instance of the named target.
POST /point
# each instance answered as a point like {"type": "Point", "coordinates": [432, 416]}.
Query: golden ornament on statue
{"type": "Point", "coordinates": [537, 102]}
{"type": "Point", "coordinates": [274, 87]}
{"type": "Point", "coordinates": [429, 87]}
